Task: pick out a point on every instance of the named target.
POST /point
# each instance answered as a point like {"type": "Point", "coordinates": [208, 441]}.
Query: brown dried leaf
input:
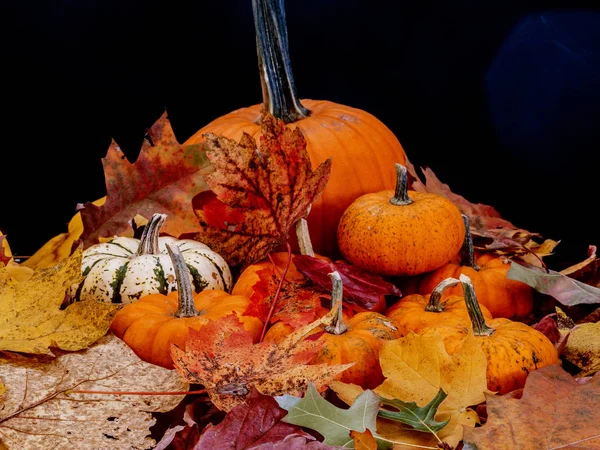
{"type": "Point", "coordinates": [164, 179]}
{"type": "Point", "coordinates": [221, 357]}
{"type": "Point", "coordinates": [261, 192]}
{"type": "Point", "coordinates": [38, 412]}
{"type": "Point", "coordinates": [555, 411]}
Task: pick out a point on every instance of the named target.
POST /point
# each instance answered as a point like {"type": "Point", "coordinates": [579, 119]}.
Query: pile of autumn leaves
{"type": "Point", "coordinates": [66, 383]}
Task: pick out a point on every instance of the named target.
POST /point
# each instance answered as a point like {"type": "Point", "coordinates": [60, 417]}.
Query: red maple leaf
{"type": "Point", "coordinates": [264, 191]}
{"type": "Point", "coordinates": [164, 179]}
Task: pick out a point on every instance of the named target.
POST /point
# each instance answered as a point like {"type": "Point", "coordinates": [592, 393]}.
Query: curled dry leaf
{"type": "Point", "coordinates": [31, 320]}
{"type": "Point", "coordinates": [221, 357]}
{"type": "Point", "coordinates": [582, 348]}
{"type": "Point", "coordinates": [164, 179]}
{"type": "Point", "coordinates": [38, 412]}
{"type": "Point", "coordinates": [260, 192]}
{"type": "Point", "coordinates": [554, 411]}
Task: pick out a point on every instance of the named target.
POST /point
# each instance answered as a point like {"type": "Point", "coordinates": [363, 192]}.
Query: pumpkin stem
{"type": "Point", "coordinates": [149, 240]}
{"type": "Point", "coordinates": [304, 242]}
{"type": "Point", "coordinates": [277, 81]}
{"type": "Point", "coordinates": [186, 306]}
{"type": "Point", "coordinates": [337, 325]}
{"type": "Point", "coordinates": [467, 257]}
{"type": "Point", "coordinates": [434, 304]}
{"type": "Point", "coordinates": [401, 194]}
{"type": "Point", "coordinates": [480, 328]}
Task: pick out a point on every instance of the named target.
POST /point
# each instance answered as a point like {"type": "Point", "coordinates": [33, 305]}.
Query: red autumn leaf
{"type": "Point", "coordinates": [221, 357]}
{"type": "Point", "coordinates": [549, 327]}
{"type": "Point", "coordinates": [264, 191]}
{"type": "Point", "coordinates": [494, 232]}
{"type": "Point", "coordinates": [361, 288]}
{"type": "Point", "coordinates": [297, 303]}
{"type": "Point", "coordinates": [164, 179]}
{"type": "Point", "coordinates": [252, 425]}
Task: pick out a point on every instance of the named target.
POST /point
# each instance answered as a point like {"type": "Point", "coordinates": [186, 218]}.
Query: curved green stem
{"type": "Point", "coordinates": [277, 81]}
{"type": "Point", "coordinates": [435, 304]}
{"type": "Point", "coordinates": [186, 306]}
{"type": "Point", "coordinates": [337, 325]}
{"type": "Point", "coordinates": [480, 328]}
{"type": "Point", "coordinates": [401, 194]}
{"type": "Point", "coordinates": [149, 240]}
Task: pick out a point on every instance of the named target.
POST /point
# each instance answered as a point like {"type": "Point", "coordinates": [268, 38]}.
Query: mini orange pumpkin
{"type": "Point", "coordinates": [513, 349]}
{"type": "Point", "coordinates": [357, 340]}
{"type": "Point", "coordinates": [401, 233]}
{"type": "Point", "coordinates": [359, 143]}
{"type": "Point", "coordinates": [416, 312]}
{"type": "Point", "coordinates": [502, 296]}
{"type": "Point", "coordinates": [151, 324]}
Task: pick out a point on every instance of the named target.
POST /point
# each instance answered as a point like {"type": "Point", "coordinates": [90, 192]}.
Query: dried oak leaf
{"type": "Point", "coordinates": [260, 192]}
{"type": "Point", "coordinates": [255, 424]}
{"type": "Point", "coordinates": [39, 411]}
{"type": "Point", "coordinates": [361, 288]}
{"type": "Point", "coordinates": [164, 179]}
{"type": "Point", "coordinates": [31, 320]}
{"type": "Point", "coordinates": [555, 411]}
{"type": "Point", "coordinates": [222, 358]}
{"type": "Point", "coordinates": [587, 271]}
{"type": "Point", "coordinates": [489, 230]}
{"type": "Point", "coordinates": [298, 304]}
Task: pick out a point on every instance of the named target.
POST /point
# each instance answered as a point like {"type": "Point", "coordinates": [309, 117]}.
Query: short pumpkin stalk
{"type": "Point", "coordinates": [186, 307]}
{"type": "Point", "coordinates": [401, 193]}
{"type": "Point", "coordinates": [304, 242]}
{"type": "Point", "coordinates": [435, 304]}
{"type": "Point", "coordinates": [337, 325]}
{"type": "Point", "coordinates": [480, 328]}
{"type": "Point", "coordinates": [468, 250]}
{"type": "Point", "coordinates": [277, 81]}
{"type": "Point", "coordinates": [150, 235]}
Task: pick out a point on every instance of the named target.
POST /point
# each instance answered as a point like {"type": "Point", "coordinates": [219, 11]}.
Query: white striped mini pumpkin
{"type": "Point", "coordinates": [124, 269]}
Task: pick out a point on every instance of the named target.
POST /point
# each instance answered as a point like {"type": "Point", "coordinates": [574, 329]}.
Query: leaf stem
{"type": "Point", "coordinates": [276, 297]}
{"type": "Point", "coordinates": [198, 392]}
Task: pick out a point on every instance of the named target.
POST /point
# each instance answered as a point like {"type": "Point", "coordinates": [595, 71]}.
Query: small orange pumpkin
{"type": "Point", "coordinates": [357, 340]}
{"type": "Point", "coordinates": [513, 349]}
{"type": "Point", "coordinates": [401, 233]}
{"type": "Point", "coordinates": [502, 296]}
{"type": "Point", "coordinates": [151, 324]}
{"type": "Point", "coordinates": [416, 312]}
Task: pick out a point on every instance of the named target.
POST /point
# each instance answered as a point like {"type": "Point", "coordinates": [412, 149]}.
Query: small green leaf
{"type": "Point", "coordinates": [333, 423]}
{"type": "Point", "coordinates": [421, 419]}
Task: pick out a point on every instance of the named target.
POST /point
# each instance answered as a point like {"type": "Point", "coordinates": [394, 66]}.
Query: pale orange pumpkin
{"type": "Point", "coordinates": [359, 143]}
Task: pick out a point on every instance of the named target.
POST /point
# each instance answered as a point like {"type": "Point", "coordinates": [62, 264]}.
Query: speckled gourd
{"type": "Point", "coordinates": [125, 269]}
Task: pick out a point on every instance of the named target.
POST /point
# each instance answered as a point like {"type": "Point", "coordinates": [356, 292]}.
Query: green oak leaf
{"type": "Point", "coordinates": [333, 423]}
{"type": "Point", "coordinates": [420, 418]}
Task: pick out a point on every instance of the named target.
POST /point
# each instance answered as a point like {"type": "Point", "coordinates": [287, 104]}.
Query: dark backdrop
{"type": "Point", "coordinates": [500, 99]}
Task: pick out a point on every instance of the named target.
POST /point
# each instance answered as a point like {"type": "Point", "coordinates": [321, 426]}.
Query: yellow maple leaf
{"type": "Point", "coordinates": [31, 320]}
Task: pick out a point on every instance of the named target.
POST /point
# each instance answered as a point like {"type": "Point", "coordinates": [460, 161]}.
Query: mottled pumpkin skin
{"type": "Point", "coordinates": [249, 277]}
{"type": "Point", "coordinates": [360, 344]}
{"type": "Point", "coordinates": [400, 240]}
{"type": "Point", "coordinates": [359, 143]}
{"type": "Point", "coordinates": [410, 314]}
{"type": "Point", "coordinates": [149, 326]}
{"type": "Point", "coordinates": [503, 297]}
{"type": "Point", "coordinates": [512, 351]}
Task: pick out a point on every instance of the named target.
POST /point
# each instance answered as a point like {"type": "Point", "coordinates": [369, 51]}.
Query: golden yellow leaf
{"type": "Point", "coordinates": [60, 246]}
{"type": "Point", "coordinates": [417, 366]}
{"type": "Point", "coordinates": [31, 320]}
{"type": "Point", "coordinates": [40, 411]}
{"type": "Point", "coordinates": [4, 245]}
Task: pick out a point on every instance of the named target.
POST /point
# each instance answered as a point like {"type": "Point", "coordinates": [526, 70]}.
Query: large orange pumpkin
{"type": "Point", "coordinates": [362, 147]}
{"type": "Point", "coordinates": [502, 296]}
{"type": "Point", "coordinates": [153, 323]}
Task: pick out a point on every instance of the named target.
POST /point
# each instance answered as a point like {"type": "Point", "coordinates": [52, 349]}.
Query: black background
{"type": "Point", "coordinates": [77, 74]}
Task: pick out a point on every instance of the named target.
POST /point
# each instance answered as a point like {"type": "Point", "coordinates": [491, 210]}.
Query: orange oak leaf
{"type": "Point", "coordinates": [164, 179]}
{"type": "Point", "coordinates": [222, 358]}
{"type": "Point", "coordinates": [298, 304]}
{"type": "Point", "coordinates": [555, 411]}
{"type": "Point", "coordinates": [263, 191]}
